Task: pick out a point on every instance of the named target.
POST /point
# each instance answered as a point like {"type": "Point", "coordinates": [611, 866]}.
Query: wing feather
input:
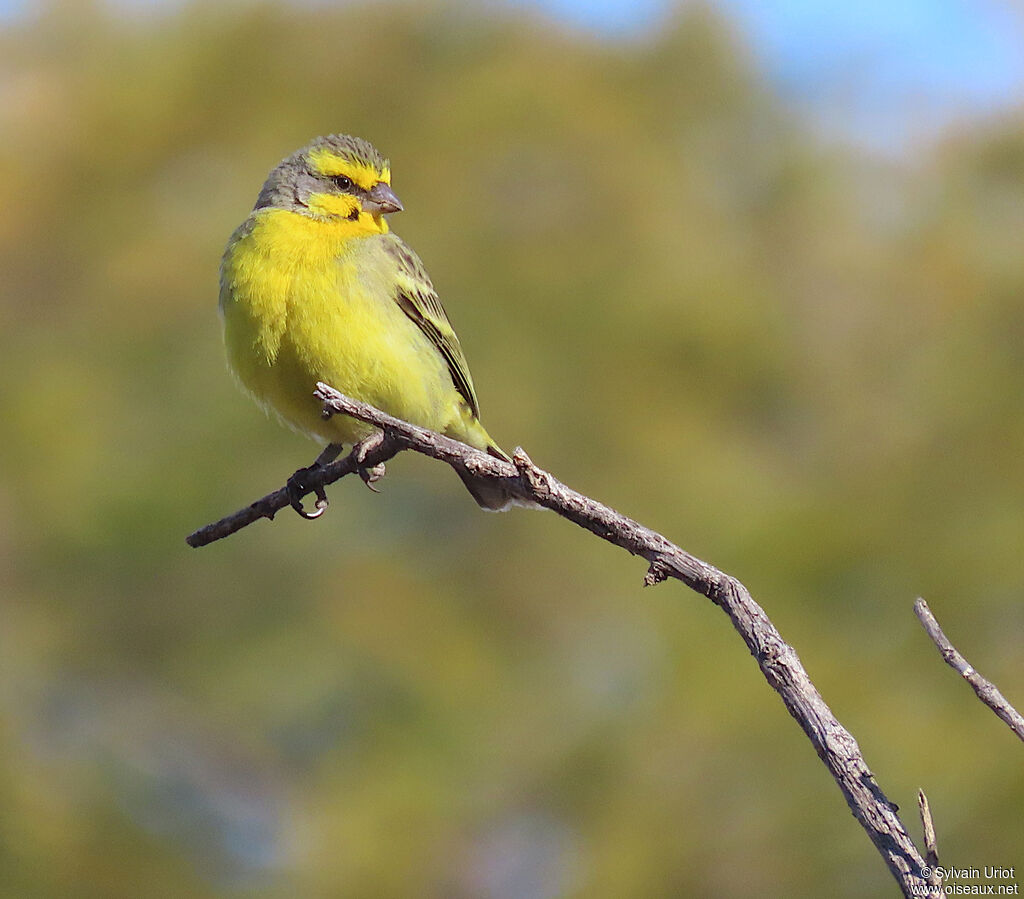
{"type": "Point", "coordinates": [417, 298]}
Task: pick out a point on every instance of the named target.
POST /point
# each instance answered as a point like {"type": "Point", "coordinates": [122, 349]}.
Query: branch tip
{"type": "Point", "coordinates": [928, 825]}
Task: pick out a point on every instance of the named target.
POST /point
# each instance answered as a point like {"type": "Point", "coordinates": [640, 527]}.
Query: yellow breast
{"type": "Point", "coordinates": [305, 301]}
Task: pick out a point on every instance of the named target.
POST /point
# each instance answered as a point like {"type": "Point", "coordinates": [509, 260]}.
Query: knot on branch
{"type": "Point", "coordinates": [656, 573]}
{"type": "Point", "coordinates": [535, 478]}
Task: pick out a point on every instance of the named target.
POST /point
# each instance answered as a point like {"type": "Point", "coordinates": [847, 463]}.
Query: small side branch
{"type": "Point", "coordinates": [928, 825]}
{"type": "Point", "coordinates": [778, 661]}
{"type": "Point", "coordinates": [987, 691]}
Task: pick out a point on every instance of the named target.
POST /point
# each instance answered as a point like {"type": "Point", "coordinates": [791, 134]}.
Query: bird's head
{"type": "Point", "coordinates": [334, 178]}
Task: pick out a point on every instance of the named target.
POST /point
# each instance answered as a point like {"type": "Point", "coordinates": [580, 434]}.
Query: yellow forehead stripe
{"type": "Point", "coordinates": [330, 164]}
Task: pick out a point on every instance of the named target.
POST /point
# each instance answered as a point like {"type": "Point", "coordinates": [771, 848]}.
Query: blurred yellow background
{"type": "Point", "coordinates": [798, 358]}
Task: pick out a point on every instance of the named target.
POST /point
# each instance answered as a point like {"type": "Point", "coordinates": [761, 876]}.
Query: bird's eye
{"type": "Point", "coordinates": [342, 182]}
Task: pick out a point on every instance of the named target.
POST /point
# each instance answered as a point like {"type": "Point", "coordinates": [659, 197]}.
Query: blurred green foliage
{"type": "Point", "coordinates": [799, 362]}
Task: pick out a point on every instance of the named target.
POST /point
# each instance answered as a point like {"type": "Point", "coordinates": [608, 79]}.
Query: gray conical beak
{"type": "Point", "coordinates": [381, 200]}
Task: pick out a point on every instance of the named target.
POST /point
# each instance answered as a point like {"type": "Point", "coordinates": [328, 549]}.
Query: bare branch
{"type": "Point", "coordinates": [987, 691]}
{"type": "Point", "coordinates": [778, 661]}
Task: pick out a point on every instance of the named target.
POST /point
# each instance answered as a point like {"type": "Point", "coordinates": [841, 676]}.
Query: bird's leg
{"type": "Point", "coordinates": [328, 454]}
{"type": "Point", "coordinates": [297, 483]}
{"type": "Point", "coordinates": [361, 450]}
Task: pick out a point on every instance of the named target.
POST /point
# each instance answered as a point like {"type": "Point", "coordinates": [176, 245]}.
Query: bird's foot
{"type": "Point", "coordinates": [297, 488]}
{"type": "Point", "coordinates": [360, 451]}
{"type": "Point", "coordinates": [371, 475]}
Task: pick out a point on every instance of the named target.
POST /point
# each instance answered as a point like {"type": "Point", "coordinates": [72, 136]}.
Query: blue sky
{"type": "Point", "coordinates": [884, 70]}
{"type": "Point", "coordinates": [881, 71]}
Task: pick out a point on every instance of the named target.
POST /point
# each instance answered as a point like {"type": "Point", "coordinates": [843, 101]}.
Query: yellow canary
{"type": "Point", "coordinates": [314, 287]}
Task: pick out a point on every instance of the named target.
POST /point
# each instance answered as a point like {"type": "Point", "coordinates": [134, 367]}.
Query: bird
{"type": "Point", "coordinates": [314, 286]}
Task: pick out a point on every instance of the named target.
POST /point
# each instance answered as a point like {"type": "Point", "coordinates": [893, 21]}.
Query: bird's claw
{"type": "Point", "coordinates": [297, 489]}
{"type": "Point", "coordinates": [298, 486]}
{"type": "Point", "coordinates": [371, 475]}
{"type": "Point", "coordinates": [360, 451]}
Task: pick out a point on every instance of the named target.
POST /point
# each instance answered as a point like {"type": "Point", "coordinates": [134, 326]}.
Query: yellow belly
{"type": "Point", "coordinates": [306, 301]}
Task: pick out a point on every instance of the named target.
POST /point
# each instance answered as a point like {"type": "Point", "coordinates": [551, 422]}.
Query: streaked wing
{"type": "Point", "coordinates": [417, 299]}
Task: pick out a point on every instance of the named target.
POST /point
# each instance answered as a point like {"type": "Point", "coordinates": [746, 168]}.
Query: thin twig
{"type": "Point", "coordinates": [987, 691]}
{"type": "Point", "coordinates": [778, 661]}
